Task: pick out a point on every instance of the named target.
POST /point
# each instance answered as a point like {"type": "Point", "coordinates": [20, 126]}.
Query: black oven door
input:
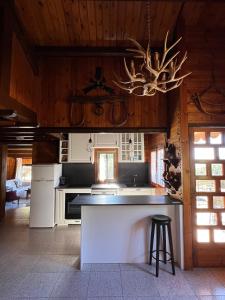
{"type": "Point", "coordinates": [72, 211]}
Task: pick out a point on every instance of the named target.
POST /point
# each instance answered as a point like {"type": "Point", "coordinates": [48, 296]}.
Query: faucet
{"type": "Point", "coordinates": [134, 179]}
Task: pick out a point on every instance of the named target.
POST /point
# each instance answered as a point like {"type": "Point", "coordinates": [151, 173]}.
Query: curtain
{"type": "Point", "coordinates": [19, 165]}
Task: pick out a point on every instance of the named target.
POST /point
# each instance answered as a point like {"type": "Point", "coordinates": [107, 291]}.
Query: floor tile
{"type": "Point", "coordinates": [14, 263]}
{"type": "Point", "coordinates": [170, 285]}
{"type": "Point", "coordinates": [10, 283]}
{"type": "Point", "coordinates": [105, 267]}
{"type": "Point", "coordinates": [179, 298]}
{"type": "Point", "coordinates": [105, 298]}
{"type": "Point", "coordinates": [203, 282]}
{"type": "Point", "coordinates": [104, 284]}
{"type": "Point", "coordinates": [138, 283]}
{"type": "Point", "coordinates": [56, 263]}
{"type": "Point", "coordinates": [37, 285]}
{"type": "Point", "coordinates": [72, 285]}
{"type": "Point", "coordinates": [211, 297]}
{"type": "Point", "coordinates": [135, 267]}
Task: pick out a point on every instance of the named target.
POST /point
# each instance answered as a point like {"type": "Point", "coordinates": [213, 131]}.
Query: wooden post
{"type": "Point", "coordinates": [3, 177]}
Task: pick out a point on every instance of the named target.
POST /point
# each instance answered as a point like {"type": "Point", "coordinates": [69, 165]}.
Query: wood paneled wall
{"type": "Point", "coordinates": [3, 174]}
{"type": "Point", "coordinates": [24, 85]}
{"type": "Point", "coordinates": [205, 53]}
{"type": "Point", "coordinates": [62, 77]}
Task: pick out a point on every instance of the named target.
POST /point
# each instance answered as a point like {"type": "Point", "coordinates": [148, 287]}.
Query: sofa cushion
{"type": "Point", "coordinates": [10, 185]}
{"type": "Point", "coordinates": [18, 182]}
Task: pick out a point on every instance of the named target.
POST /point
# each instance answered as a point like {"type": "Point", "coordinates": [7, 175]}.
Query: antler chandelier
{"type": "Point", "coordinates": [156, 72]}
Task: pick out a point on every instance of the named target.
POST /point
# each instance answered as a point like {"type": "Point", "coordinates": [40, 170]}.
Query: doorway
{"type": "Point", "coordinates": [208, 196]}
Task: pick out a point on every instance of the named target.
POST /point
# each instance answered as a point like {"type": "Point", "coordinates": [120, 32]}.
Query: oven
{"type": "Point", "coordinates": [72, 211]}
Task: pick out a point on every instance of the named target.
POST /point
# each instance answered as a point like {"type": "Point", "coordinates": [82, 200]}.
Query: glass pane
{"type": "Point", "coordinates": [215, 138]}
{"type": "Point", "coordinates": [205, 218]}
{"type": "Point", "coordinates": [160, 166]}
{"type": "Point", "coordinates": [199, 137]}
{"type": "Point", "coordinates": [204, 153]}
{"type": "Point", "coordinates": [202, 202]}
{"type": "Point", "coordinates": [205, 186]}
{"type": "Point", "coordinates": [223, 218]}
{"type": "Point", "coordinates": [217, 169]}
{"type": "Point", "coordinates": [222, 185]}
{"type": "Point", "coordinates": [219, 236]}
{"type": "Point", "coordinates": [106, 166]}
{"type": "Point", "coordinates": [203, 235]}
{"type": "Point", "coordinates": [153, 166]}
{"type": "Point", "coordinates": [26, 173]}
{"type": "Point", "coordinates": [221, 153]}
{"type": "Point", "coordinates": [218, 202]}
{"type": "Point", "coordinates": [200, 169]}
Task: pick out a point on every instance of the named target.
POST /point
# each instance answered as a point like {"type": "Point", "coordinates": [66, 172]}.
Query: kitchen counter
{"type": "Point", "coordinates": [116, 229]}
{"type": "Point", "coordinates": [125, 200]}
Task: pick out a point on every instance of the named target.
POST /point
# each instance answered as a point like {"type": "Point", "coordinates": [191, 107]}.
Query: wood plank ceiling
{"type": "Point", "coordinates": [110, 23]}
{"type": "Point", "coordinates": [105, 23]}
{"type": "Point", "coordinates": [94, 23]}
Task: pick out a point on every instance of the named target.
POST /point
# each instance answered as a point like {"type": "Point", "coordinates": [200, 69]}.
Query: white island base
{"type": "Point", "coordinates": [121, 233]}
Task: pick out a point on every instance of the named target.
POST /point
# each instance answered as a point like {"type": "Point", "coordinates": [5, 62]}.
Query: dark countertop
{"type": "Point", "coordinates": [73, 187]}
{"type": "Point", "coordinates": [124, 200]}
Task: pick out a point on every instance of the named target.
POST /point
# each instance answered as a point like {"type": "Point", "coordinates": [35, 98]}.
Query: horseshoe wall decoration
{"type": "Point", "coordinates": [98, 101]}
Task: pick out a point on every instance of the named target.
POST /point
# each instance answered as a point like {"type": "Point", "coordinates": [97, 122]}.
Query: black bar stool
{"type": "Point", "coordinates": [161, 221]}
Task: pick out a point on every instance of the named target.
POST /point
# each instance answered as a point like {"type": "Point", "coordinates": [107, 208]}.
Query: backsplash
{"type": "Point", "coordinates": [84, 173]}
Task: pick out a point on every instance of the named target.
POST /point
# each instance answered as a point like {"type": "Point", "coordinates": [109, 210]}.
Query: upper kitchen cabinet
{"type": "Point", "coordinates": [106, 140]}
{"type": "Point", "coordinates": [78, 148]}
{"type": "Point", "coordinates": [131, 147]}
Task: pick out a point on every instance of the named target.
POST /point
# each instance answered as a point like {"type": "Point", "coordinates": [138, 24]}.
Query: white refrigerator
{"type": "Point", "coordinates": [42, 207]}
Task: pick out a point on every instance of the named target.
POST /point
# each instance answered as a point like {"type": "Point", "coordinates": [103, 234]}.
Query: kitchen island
{"type": "Point", "coordinates": [116, 229]}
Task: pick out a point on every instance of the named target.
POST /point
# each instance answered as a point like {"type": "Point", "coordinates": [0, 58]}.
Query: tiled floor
{"type": "Point", "coordinates": [41, 264]}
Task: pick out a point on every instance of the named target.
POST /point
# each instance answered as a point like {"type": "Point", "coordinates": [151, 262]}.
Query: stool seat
{"type": "Point", "coordinates": [161, 219]}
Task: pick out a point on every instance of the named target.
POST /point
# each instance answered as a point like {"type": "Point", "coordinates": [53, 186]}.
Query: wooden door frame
{"type": "Point", "coordinates": [106, 150]}
{"type": "Point", "coordinates": [217, 247]}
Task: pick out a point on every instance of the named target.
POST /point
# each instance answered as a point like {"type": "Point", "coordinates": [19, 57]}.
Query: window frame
{"type": "Point", "coordinates": [97, 153]}
{"type": "Point", "coordinates": [157, 183]}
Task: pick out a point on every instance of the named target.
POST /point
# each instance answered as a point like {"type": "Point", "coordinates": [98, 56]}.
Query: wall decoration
{"type": "Point", "coordinates": [172, 173]}
{"type": "Point", "coordinates": [99, 83]}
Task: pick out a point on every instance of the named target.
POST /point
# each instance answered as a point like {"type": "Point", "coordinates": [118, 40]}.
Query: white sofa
{"type": "Point", "coordinates": [18, 186]}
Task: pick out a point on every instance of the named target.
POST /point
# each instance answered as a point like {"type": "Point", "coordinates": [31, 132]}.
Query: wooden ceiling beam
{"type": "Point", "coordinates": [23, 113]}
{"type": "Point", "coordinates": [47, 130]}
{"type": "Point", "coordinates": [81, 51]}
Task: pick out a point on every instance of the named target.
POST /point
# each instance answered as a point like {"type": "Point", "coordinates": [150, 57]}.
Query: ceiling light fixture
{"type": "Point", "coordinates": [157, 72]}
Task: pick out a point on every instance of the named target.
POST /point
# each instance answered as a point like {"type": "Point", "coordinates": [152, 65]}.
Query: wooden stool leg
{"type": "Point", "coordinates": [151, 242]}
{"type": "Point", "coordinates": [171, 248]}
{"type": "Point", "coordinates": [157, 249]}
{"type": "Point", "coordinates": [164, 243]}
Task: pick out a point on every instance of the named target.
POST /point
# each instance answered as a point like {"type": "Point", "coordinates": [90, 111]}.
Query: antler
{"type": "Point", "coordinates": [155, 74]}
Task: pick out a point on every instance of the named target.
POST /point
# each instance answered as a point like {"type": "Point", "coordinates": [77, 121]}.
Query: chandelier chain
{"type": "Point", "coordinates": [148, 5]}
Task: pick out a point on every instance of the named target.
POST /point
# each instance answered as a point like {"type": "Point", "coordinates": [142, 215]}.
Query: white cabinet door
{"type": "Point", "coordinates": [60, 207]}
{"type": "Point", "coordinates": [78, 148]}
{"type": "Point", "coordinates": [106, 140]}
{"type": "Point", "coordinates": [131, 147]}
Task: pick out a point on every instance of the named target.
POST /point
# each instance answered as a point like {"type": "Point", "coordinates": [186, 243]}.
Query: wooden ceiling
{"type": "Point", "coordinates": [110, 23]}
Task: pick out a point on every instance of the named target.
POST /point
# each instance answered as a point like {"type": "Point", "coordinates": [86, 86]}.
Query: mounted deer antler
{"type": "Point", "coordinates": [155, 74]}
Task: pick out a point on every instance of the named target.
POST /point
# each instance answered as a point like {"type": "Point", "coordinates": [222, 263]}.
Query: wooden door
{"type": "Point", "coordinates": [208, 195]}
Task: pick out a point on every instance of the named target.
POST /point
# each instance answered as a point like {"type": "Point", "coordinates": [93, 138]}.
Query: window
{"type": "Point", "coordinates": [26, 173]}
{"type": "Point", "coordinates": [106, 165]}
{"type": "Point", "coordinates": [157, 167]}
